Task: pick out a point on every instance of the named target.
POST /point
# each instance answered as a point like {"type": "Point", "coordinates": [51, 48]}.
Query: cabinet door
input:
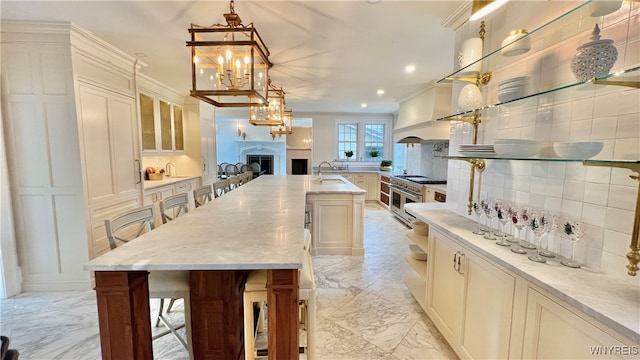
{"type": "Point", "coordinates": [166, 131]}
{"type": "Point", "coordinates": [110, 145]}
{"type": "Point", "coordinates": [178, 128]}
{"type": "Point", "coordinates": [445, 286]}
{"type": "Point", "coordinates": [487, 311]}
{"type": "Point", "coordinates": [552, 331]}
{"type": "Point", "coordinates": [147, 122]}
{"type": "Point", "coordinates": [208, 145]}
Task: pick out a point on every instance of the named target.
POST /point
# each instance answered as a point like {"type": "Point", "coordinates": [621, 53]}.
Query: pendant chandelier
{"type": "Point", "coordinates": [229, 63]}
{"type": "Point", "coordinates": [287, 127]}
{"type": "Point", "coordinates": [270, 113]}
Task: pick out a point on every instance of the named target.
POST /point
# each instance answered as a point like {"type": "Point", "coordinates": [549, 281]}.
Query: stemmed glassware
{"type": "Point", "coordinates": [574, 229]}
{"type": "Point", "coordinates": [541, 223]}
{"type": "Point", "coordinates": [520, 218]}
{"type": "Point", "coordinates": [490, 212]}
{"type": "Point", "coordinates": [504, 216]}
{"type": "Point", "coordinates": [477, 209]}
{"type": "Point", "coordinates": [544, 250]}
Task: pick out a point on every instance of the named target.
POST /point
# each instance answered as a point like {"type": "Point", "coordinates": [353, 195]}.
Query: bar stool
{"type": "Point", "coordinates": [162, 284]}
{"type": "Point", "coordinates": [202, 195]}
{"type": "Point", "coordinates": [178, 203]}
{"type": "Point", "coordinates": [255, 291]}
{"type": "Point", "coordinates": [220, 188]}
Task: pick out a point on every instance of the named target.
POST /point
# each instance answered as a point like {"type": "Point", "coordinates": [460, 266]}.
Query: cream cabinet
{"type": "Point", "coordinates": [416, 281]}
{"type": "Point", "coordinates": [554, 331]}
{"type": "Point", "coordinates": [468, 299]}
{"type": "Point", "coordinates": [365, 181]}
{"type": "Point", "coordinates": [70, 116]}
{"type": "Point", "coordinates": [161, 118]}
{"type": "Point", "coordinates": [336, 226]}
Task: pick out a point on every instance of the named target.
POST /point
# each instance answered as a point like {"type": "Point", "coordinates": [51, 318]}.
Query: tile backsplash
{"type": "Point", "coordinates": [604, 197]}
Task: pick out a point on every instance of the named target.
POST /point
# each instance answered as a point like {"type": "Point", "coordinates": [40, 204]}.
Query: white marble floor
{"type": "Point", "coordinates": [364, 312]}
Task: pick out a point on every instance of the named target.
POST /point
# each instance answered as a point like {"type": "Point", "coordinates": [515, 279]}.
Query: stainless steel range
{"type": "Point", "coordinates": [405, 189]}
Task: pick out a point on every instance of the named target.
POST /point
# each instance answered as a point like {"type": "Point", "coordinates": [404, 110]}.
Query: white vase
{"type": "Point", "coordinates": [595, 58]}
{"type": "Point", "coordinates": [470, 52]}
{"type": "Point", "coordinates": [514, 45]}
{"type": "Point", "coordinates": [469, 98]}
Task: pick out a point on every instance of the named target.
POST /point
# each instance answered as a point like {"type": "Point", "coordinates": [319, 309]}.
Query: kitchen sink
{"type": "Point", "coordinates": [332, 181]}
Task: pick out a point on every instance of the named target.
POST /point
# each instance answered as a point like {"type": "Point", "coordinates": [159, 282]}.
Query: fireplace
{"type": "Point", "coordinates": [299, 166]}
{"type": "Point", "coordinates": [265, 161]}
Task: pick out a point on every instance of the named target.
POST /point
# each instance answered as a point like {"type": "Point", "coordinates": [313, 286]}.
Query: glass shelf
{"type": "Point", "coordinates": [464, 75]}
{"type": "Point", "coordinates": [612, 163]}
{"type": "Point", "coordinates": [631, 75]}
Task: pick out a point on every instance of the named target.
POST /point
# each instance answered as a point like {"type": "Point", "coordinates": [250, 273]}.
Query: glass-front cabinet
{"type": "Point", "coordinates": [161, 124]}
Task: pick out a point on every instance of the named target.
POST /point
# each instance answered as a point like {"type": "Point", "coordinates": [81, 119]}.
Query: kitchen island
{"type": "Point", "coordinates": [260, 225]}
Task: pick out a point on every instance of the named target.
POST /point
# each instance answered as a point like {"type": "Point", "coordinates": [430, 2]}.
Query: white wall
{"type": "Point", "coordinates": [603, 197]}
{"type": "Point", "coordinates": [325, 136]}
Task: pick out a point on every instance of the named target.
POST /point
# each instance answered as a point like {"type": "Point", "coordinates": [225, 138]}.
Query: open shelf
{"type": "Point", "coordinates": [421, 241]}
{"type": "Point", "coordinates": [418, 288]}
{"type": "Point", "coordinates": [612, 163]}
{"type": "Point", "coordinates": [570, 16]}
{"type": "Point", "coordinates": [629, 76]}
{"type": "Point", "coordinates": [418, 265]}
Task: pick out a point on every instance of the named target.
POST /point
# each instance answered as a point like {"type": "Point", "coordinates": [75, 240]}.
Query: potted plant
{"type": "Point", "coordinates": [374, 153]}
{"type": "Point", "coordinates": [348, 154]}
{"type": "Point", "coordinates": [386, 165]}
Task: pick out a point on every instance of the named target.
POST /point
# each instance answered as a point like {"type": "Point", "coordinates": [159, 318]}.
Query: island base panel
{"type": "Point", "coordinates": [123, 315]}
{"type": "Point", "coordinates": [282, 297]}
{"type": "Point", "coordinates": [216, 314]}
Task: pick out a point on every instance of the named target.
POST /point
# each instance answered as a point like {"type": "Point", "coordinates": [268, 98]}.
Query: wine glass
{"type": "Point", "coordinates": [519, 218]}
{"type": "Point", "coordinates": [541, 224]}
{"type": "Point", "coordinates": [477, 209]}
{"type": "Point", "coordinates": [503, 210]}
{"type": "Point", "coordinates": [544, 250]}
{"type": "Point", "coordinates": [490, 213]}
{"type": "Point", "coordinates": [574, 230]}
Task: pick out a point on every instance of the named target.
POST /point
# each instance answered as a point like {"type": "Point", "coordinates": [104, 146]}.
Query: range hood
{"type": "Point", "coordinates": [417, 114]}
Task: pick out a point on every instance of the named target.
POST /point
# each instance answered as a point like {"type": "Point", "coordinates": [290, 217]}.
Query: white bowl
{"type": "Point", "coordinates": [517, 148]}
{"type": "Point", "coordinates": [577, 150]}
{"type": "Point", "coordinates": [511, 94]}
{"type": "Point", "coordinates": [420, 228]}
{"type": "Point", "coordinates": [417, 253]}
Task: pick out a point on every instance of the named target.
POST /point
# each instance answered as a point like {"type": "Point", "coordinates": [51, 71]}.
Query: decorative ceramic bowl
{"type": "Point", "coordinates": [595, 58]}
{"type": "Point", "coordinates": [515, 44]}
{"type": "Point", "coordinates": [420, 228]}
{"type": "Point", "coordinates": [470, 98]}
{"type": "Point", "coordinates": [517, 148]}
{"type": "Point", "coordinates": [577, 150]}
{"type": "Point", "coordinates": [604, 7]}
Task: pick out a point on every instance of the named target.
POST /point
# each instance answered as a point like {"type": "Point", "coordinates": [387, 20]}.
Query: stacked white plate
{"type": "Point", "coordinates": [513, 88]}
{"type": "Point", "coordinates": [476, 150]}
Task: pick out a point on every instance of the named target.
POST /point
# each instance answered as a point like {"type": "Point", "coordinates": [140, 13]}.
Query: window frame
{"type": "Point", "coordinates": [360, 154]}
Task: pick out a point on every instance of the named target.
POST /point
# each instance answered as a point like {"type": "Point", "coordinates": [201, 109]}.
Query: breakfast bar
{"type": "Point", "coordinates": [260, 225]}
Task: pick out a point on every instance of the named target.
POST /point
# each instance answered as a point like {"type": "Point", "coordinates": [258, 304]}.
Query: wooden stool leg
{"type": "Point", "coordinates": [282, 297]}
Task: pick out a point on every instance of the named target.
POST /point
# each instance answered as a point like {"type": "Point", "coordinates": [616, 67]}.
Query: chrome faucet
{"type": "Point", "coordinates": [320, 166]}
{"type": "Point", "coordinates": [170, 169]}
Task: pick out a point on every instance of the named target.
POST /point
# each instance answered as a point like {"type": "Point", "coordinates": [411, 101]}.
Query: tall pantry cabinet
{"type": "Point", "coordinates": [69, 112]}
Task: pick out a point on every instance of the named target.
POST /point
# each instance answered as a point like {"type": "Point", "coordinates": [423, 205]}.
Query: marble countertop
{"type": "Point", "coordinates": [354, 170]}
{"type": "Point", "coordinates": [260, 225]}
{"type": "Point", "coordinates": [614, 302]}
{"type": "Point", "coordinates": [167, 180]}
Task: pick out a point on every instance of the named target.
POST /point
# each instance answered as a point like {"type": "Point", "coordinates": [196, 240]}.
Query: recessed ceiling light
{"type": "Point", "coordinates": [364, 105]}
{"type": "Point", "coordinates": [410, 68]}
{"type": "Point", "coordinates": [374, 1]}
{"type": "Point", "coordinates": [380, 92]}
{"type": "Point", "coordinates": [140, 55]}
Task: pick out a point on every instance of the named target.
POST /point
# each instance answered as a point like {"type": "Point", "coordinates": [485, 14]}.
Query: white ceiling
{"type": "Point", "coordinates": [329, 56]}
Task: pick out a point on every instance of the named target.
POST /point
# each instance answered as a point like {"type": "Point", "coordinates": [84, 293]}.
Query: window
{"type": "Point", "coordinates": [347, 140]}
{"type": "Point", "coordinates": [362, 137]}
{"type": "Point", "coordinates": [374, 141]}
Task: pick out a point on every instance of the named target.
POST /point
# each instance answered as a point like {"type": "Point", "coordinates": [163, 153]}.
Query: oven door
{"type": "Point", "coordinates": [400, 197]}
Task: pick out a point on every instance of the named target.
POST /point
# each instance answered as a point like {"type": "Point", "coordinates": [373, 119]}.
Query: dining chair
{"type": "Point", "coordinates": [255, 291]}
{"type": "Point", "coordinates": [220, 188]}
{"type": "Point", "coordinates": [202, 195]}
{"type": "Point", "coordinates": [126, 227]}
{"type": "Point", "coordinates": [179, 204]}
{"type": "Point", "coordinates": [244, 168]}
{"type": "Point", "coordinates": [249, 175]}
{"type": "Point", "coordinates": [231, 170]}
